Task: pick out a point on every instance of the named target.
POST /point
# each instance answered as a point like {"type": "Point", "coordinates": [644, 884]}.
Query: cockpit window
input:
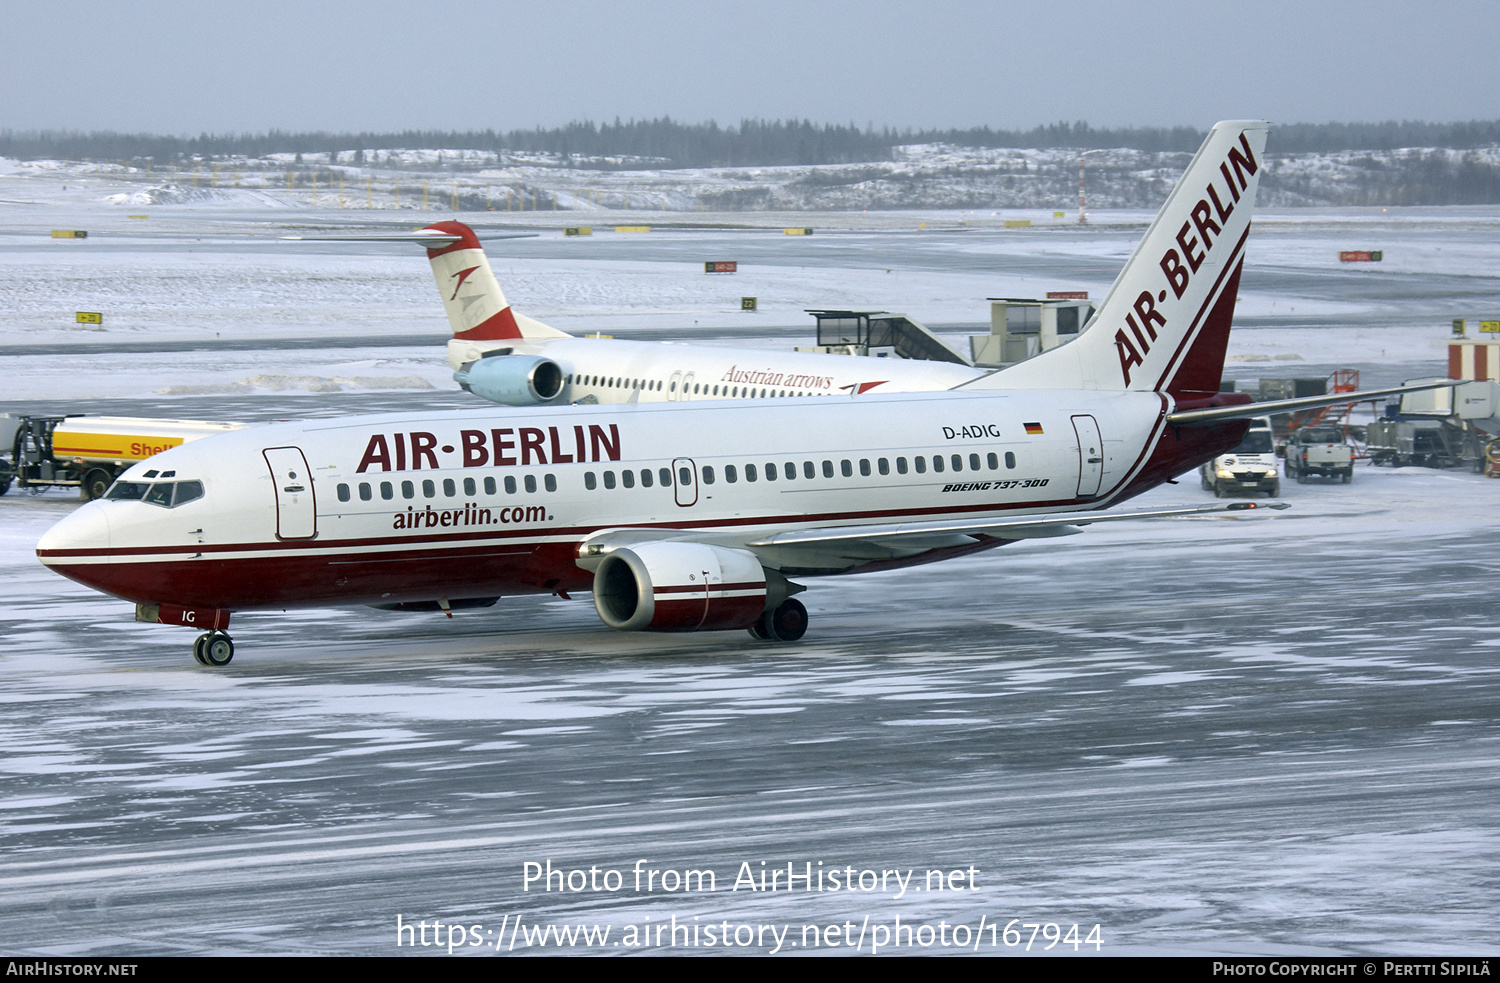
{"type": "Point", "coordinates": [160, 494]}
{"type": "Point", "coordinates": [187, 491]}
{"type": "Point", "coordinates": [128, 491]}
{"type": "Point", "coordinates": [167, 494]}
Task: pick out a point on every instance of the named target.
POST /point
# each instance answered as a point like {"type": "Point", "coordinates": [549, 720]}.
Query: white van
{"type": "Point", "coordinates": [1250, 467]}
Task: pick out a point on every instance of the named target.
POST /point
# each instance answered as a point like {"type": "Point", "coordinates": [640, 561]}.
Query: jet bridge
{"type": "Point", "coordinates": [879, 334]}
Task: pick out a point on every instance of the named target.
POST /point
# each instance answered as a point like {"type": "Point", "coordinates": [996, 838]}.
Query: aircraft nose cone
{"type": "Point", "coordinates": [86, 529]}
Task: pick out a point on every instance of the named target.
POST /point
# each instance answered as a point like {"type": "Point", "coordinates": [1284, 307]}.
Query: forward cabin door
{"type": "Point", "coordinates": [296, 509]}
{"type": "Point", "coordinates": [1090, 456]}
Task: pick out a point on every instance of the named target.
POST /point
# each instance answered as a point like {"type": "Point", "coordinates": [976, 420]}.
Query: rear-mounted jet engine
{"type": "Point", "coordinates": [512, 380]}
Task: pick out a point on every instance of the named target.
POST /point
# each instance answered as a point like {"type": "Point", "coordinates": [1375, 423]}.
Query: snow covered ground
{"type": "Point", "coordinates": [1266, 734]}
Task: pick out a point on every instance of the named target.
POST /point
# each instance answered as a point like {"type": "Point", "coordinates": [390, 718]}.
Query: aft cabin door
{"type": "Point", "coordinates": [296, 509]}
{"type": "Point", "coordinates": [1090, 455]}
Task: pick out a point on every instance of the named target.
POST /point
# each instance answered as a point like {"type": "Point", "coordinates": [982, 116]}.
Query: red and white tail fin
{"type": "Point", "coordinates": [476, 306]}
{"type": "Point", "coordinates": [1164, 325]}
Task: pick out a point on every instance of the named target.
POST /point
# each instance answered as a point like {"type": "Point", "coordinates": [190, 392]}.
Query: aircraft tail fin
{"type": "Point", "coordinates": [1164, 325]}
{"type": "Point", "coordinates": [476, 306]}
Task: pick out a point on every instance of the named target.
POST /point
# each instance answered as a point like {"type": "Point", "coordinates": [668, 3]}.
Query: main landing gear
{"type": "Point", "coordinates": [213, 648]}
{"type": "Point", "coordinates": [785, 624]}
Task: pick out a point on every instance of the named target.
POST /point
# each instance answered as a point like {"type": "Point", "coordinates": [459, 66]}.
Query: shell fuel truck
{"type": "Point", "coordinates": [86, 452]}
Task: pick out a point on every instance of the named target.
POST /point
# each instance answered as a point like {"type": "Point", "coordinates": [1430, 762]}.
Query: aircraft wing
{"type": "Point", "coordinates": [1026, 527]}
{"type": "Point", "coordinates": [430, 238]}
{"type": "Point", "coordinates": [1190, 418]}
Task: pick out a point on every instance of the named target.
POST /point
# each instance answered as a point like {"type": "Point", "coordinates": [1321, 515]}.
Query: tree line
{"type": "Point", "coordinates": [667, 143]}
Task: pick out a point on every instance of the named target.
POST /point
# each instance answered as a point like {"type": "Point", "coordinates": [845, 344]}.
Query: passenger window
{"type": "Point", "coordinates": [161, 494]}
{"type": "Point", "coordinates": [847, 469]}
{"type": "Point", "coordinates": [900, 465]}
{"type": "Point", "coordinates": [885, 466]}
{"type": "Point", "coordinates": [958, 462]}
{"type": "Point", "coordinates": [387, 490]}
{"type": "Point", "coordinates": [489, 486]}
{"type": "Point", "coordinates": [685, 476]}
{"type": "Point", "coordinates": [1010, 459]}
{"type": "Point", "coordinates": [343, 493]}
{"type": "Point", "coordinates": [469, 487]}
{"type": "Point", "coordinates": [731, 474]}
{"type": "Point", "coordinates": [791, 470]}
{"type": "Point", "coordinates": [627, 478]}
{"type": "Point", "coordinates": [646, 477]}
{"type": "Point", "coordinates": [589, 481]}
{"type": "Point", "coordinates": [187, 491]}
{"type": "Point", "coordinates": [429, 489]}
{"type": "Point", "coordinates": [937, 463]}
{"type": "Point", "coordinates": [708, 475]}
{"type": "Point", "coordinates": [408, 490]}
{"type": "Point", "coordinates": [450, 487]}
{"type": "Point", "coordinates": [992, 460]}
{"type": "Point", "coordinates": [665, 474]}
{"type": "Point", "coordinates": [808, 470]}
{"type": "Point", "coordinates": [531, 484]}
{"type": "Point", "coordinates": [752, 474]}
{"type": "Point", "coordinates": [864, 467]}
{"type": "Point", "coordinates": [770, 471]}
{"type": "Point", "coordinates": [365, 494]}
{"type": "Point", "coordinates": [609, 479]}
{"type": "Point", "coordinates": [921, 463]}
{"type": "Point", "coordinates": [973, 462]}
{"type": "Point", "coordinates": [828, 469]}
{"type": "Point", "coordinates": [510, 484]}
{"type": "Point", "coordinates": [549, 482]}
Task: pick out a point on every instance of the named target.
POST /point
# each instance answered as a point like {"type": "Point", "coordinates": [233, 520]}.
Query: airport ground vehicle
{"type": "Point", "coordinates": [1250, 467]}
{"type": "Point", "coordinates": [86, 452]}
{"type": "Point", "coordinates": [1321, 451]}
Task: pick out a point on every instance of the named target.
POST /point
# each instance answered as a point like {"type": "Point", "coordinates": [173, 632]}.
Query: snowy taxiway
{"type": "Point", "coordinates": [1266, 734]}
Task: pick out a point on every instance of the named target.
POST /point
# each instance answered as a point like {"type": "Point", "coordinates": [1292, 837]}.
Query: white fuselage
{"type": "Point", "coordinates": [608, 370]}
{"type": "Point", "coordinates": [494, 500]}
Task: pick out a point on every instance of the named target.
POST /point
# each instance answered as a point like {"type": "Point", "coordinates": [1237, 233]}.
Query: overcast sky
{"type": "Point", "coordinates": [173, 67]}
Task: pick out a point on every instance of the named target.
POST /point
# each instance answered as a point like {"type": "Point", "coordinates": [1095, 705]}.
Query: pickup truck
{"type": "Point", "coordinates": [1250, 467]}
{"type": "Point", "coordinates": [1320, 451]}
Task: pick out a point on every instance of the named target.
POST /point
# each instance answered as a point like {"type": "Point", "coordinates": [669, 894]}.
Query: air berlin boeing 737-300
{"type": "Point", "coordinates": [700, 515]}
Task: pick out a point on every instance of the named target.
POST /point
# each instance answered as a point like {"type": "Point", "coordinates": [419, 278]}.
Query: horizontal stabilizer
{"type": "Point", "coordinates": [1246, 411]}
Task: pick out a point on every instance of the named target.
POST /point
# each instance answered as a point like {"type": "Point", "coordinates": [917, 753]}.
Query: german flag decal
{"type": "Point", "coordinates": [1033, 428]}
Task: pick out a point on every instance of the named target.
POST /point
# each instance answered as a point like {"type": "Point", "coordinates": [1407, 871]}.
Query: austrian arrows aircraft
{"type": "Point", "coordinates": [510, 359]}
{"type": "Point", "coordinates": [699, 516]}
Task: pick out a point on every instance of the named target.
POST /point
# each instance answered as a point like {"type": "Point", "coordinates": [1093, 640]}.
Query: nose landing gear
{"type": "Point", "coordinates": [213, 648]}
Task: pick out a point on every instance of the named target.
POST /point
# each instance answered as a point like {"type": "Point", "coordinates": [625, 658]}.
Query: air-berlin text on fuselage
{"type": "Point", "coordinates": [1135, 345]}
{"type": "Point", "coordinates": [496, 447]}
{"type": "Point", "coordinates": [769, 378]}
{"type": "Point", "coordinates": [974, 431]}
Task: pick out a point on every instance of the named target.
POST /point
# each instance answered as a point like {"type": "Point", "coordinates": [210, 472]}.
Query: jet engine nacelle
{"type": "Point", "coordinates": [679, 587]}
{"type": "Point", "coordinates": [512, 380]}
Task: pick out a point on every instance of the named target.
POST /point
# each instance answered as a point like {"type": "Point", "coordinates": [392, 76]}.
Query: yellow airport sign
{"type": "Point", "coordinates": [89, 317]}
{"type": "Point", "coordinates": [747, 304]}
{"type": "Point", "coordinates": [1059, 214]}
{"type": "Point", "coordinates": [1489, 327]}
{"type": "Point", "coordinates": [797, 232]}
{"type": "Point", "coordinates": [137, 216]}
{"type": "Point", "coordinates": [632, 228]}
{"type": "Point", "coordinates": [1018, 223]}
{"type": "Point", "coordinates": [582, 230]}
{"type": "Point", "coordinates": [69, 234]}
